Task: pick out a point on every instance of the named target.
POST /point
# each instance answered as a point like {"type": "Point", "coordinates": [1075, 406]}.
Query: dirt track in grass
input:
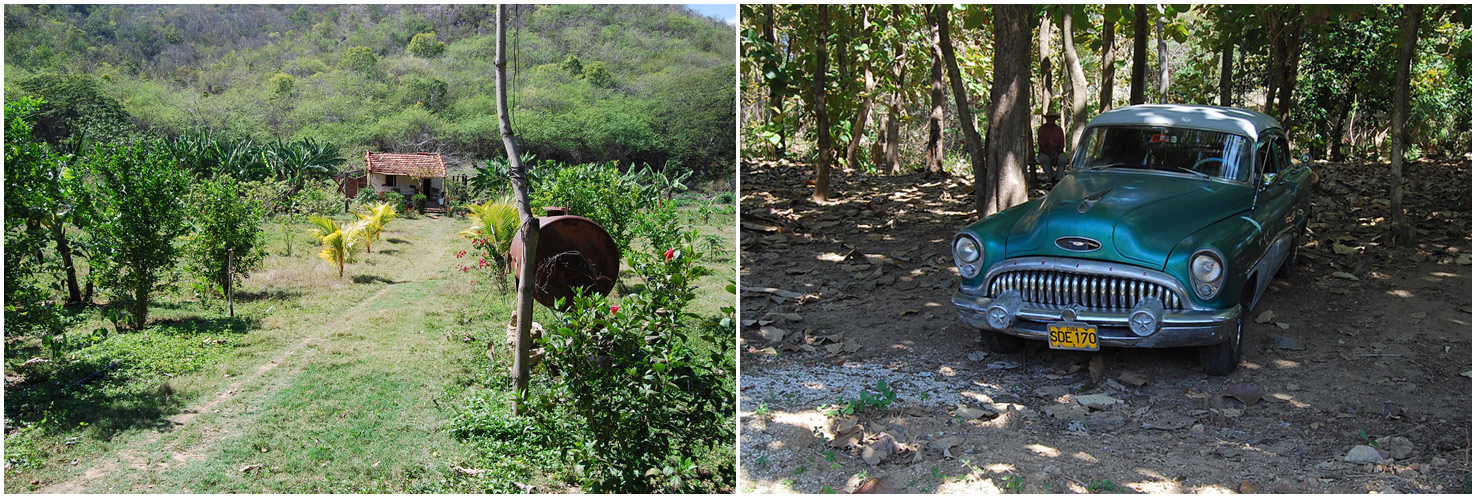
{"type": "Point", "coordinates": [1340, 363]}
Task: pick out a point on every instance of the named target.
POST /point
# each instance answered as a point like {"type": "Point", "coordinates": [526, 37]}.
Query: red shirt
{"type": "Point", "coordinates": [1050, 140]}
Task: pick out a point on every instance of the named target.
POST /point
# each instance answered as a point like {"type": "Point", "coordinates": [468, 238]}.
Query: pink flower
{"type": "Point", "coordinates": [614, 308]}
{"type": "Point", "coordinates": [669, 254]}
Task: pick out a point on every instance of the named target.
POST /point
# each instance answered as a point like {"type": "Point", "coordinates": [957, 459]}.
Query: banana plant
{"type": "Point", "coordinates": [375, 221]}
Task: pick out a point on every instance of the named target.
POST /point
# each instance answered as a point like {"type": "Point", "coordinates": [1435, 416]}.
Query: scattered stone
{"type": "Point", "coordinates": [1097, 401]}
{"type": "Point", "coordinates": [1363, 454]}
{"type": "Point", "coordinates": [772, 335]}
{"type": "Point", "coordinates": [1231, 412]}
{"type": "Point", "coordinates": [790, 317]}
{"type": "Point", "coordinates": [873, 486]}
{"type": "Point", "coordinates": [1052, 392]}
{"type": "Point", "coordinates": [1399, 447]}
{"type": "Point", "coordinates": [1198, 428]}
{"type": "Point", "coordinates": [1171, 424]}
{"type": "Point", "coordinates": [944, 444]}
{"type": "Point", "coordinates": [977, 356]}
{"type": "Point", "coordinates": [1248, 394]}
{"type": "Point", "coordinates": [1286, 343]}
{"type": "Point", "coordinates": [1247, 488]}
{"type": "Point", "coordinates": [1344, 275]}
{"type": "Point", "coordinates": [1281, 325]}
{"type": "Point", "coordinates": [1264, 317]}
{"type": "Point", "coordinates": [968, 413]}
{"type": "Point", "coordinates": [1002, 365]}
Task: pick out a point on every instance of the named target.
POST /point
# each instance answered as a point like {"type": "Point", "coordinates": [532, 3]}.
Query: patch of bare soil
{"type": "Point", "coordinates": [1357, 377]}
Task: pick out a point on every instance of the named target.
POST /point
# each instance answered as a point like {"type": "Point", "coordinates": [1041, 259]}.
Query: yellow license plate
{"type": "Point", "coordinates": [1076, 336]}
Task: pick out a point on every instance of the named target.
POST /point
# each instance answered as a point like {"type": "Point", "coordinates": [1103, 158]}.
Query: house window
{"type": "Point", "coordinates": [389, 180]}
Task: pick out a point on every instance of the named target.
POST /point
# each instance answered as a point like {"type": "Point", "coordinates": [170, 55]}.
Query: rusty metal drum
{"type": "Point", "coordinates": [573, 252]}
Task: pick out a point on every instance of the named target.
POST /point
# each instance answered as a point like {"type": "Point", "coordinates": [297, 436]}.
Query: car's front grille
{"type": "Point", "coordinates": [1061, 288]}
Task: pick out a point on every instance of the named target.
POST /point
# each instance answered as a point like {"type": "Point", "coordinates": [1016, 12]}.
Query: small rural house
{"type": "Point", "coordinates": [408, 174]}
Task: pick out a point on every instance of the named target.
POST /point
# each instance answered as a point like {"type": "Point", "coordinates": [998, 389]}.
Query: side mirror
{"type": "Point", "coordinates": [1305, 159]}
{"type": "Point", "coordinates": [1268, 179]}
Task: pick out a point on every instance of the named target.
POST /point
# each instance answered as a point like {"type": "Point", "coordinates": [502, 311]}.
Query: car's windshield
{"type": "Point", "coordinates": [1203, 153]}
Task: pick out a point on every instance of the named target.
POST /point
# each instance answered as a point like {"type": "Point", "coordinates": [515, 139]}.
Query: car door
{"type": "Point", "coordinates": [1273, 212]}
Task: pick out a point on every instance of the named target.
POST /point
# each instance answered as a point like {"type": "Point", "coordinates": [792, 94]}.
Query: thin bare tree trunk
{"type": "Point", "coordinates": [1010, 114]}
{"type": "Point", "coordinates": [934, 156]}
{"type": "Point", "coordinates": [1106, 67]}
{"type": "Point", "coordinates": [1292, 47]}
{"type": "Point", "coordinates": [823, 122]}
{"type": "Point", "coordinates": [963, 110]}
{"type": "Point", "coordinates": [895, 102]}
{"type": "Point", "coordinates": [772, 110]}
{"type": "Point", "coordinates": [1162, 83]}
{"type": "Point", "coordinates": [528, 231]}
{"type": "Point", "coordinates": [859, 127]}
{"type": "Point", "coordinates": [1225, 85]}
{"type": "Point", "coordinates": [1079, 112]}
{"type": "Point", "coordinates": [1273, 18]}
{"type": "Point", "coordinates": [1044, 63]}
{"type": "Point", "coordinates": [1141, 45]}
{"type": "Point", "coordinates": [1410, 27]}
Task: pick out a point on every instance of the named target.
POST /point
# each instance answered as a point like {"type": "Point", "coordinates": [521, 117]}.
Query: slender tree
{"type": "Point", "coordinates": [529, 230]}
{"type": "Point", "coordinates": [963, 111]}
{"type": "Point", "coordinates": [1411, 16]}
{"type": "Point", "coordinates": [1010, 111]}
{"type": "Point", "coordinates": [895, 98]}
{"type": "Point", "coordinates": [818, 95]}
{"type": "Point", "coordinates": [1106, 60]}
{"type": "Point", "coordinates": [934, 153]}
{"type": "Point", "coordinates": [1141, 45]}
{"type": "Point", "coordinates": [859, 127]}
{"type": "Point", "coordinates": [1079, 112]}
{"type": "Point", "coordinates": [1044, 61]}
{"type": "Point", "coordinates": [775, 107]}
{"type": "Point", "coordinates": [1162, 82]}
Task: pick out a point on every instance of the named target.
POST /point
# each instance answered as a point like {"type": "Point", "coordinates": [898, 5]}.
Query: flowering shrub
{"type": "Point", "coordinates": [489, 265]}
{"type": "Point", "coordinates": [647, 383]}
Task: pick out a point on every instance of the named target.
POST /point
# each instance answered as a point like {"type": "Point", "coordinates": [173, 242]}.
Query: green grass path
{"type": "Point", "coordinates": [335, 394]}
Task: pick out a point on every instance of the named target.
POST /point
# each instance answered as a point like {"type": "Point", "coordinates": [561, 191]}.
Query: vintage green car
{"type": "Point", "coordinates": [1165, 232]}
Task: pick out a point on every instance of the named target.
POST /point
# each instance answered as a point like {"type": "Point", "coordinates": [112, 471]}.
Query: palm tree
{"type": "Point", "coordinates": [379, 216]}
{"type": "Point", "coordinates": [322, 226]}
{"type": "Point", "coordinates": [338, 246]}
{"type": "Point", "coordinates": [496, 219]}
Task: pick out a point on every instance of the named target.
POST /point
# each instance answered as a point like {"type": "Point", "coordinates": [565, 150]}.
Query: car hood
{"type": "Point", "coordinates": [1136, 217]}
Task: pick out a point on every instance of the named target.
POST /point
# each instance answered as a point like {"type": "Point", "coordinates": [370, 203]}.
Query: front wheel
{"type": "Point", "coordinates": [1001, 342]}
{"type": "Point", "coordinates": [1221, 359]}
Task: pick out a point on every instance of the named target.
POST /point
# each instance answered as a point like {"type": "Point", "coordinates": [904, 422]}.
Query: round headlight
{"type": "Point", "coordinates": [966, 250]}
{"type": "Point", "coordinates": [1206, 268]}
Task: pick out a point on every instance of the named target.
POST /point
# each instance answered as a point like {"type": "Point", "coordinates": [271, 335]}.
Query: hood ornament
{"type": "Point", "coordinates": [1091, 199]}
{"type": "Point", "coordinates": [1078, 244]}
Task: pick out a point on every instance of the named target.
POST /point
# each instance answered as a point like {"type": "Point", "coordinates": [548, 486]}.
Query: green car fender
{"type": "Point", "coordinates": [1238, 240]}
{"type": "Point", "coordinates": [990, 232]}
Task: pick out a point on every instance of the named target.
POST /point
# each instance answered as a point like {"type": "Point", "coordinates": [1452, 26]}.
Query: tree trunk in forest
{"type": "Point", "coordinates": [1337, 132]}
{"type": "Point", "coordinates": [1162, 83]}
{"type": "Point", "coordinates": [1273, 19]}
{"type": "Point", "coordinates": [895, 102]}
{"type": "Point", "coordinates": [772, 110]}
{"type": "Point", "coordinates": [823, 122]}
{"type": "Point", "coordinates": [1141, 45]}
{"type": "Point", "coordinates": [963, 111]}
{"type": "Point", "coordinates": [1106, 67]}
{"type": "Point", "coordinates": [1225, 85]}
{"type": "Point", "coordinates": [934, 156]}
{"type": "Point", "coordinates": [1411, 16]}
{"type": "Point", "coordinates": [1292, 47]}
{"type": "Point", "coordinates": [1010, 111]}
{"type": "Point", "coordinates": [1044, 63]}
{"type": "Point", "coordinates": [859, 127]}
{"type": "Point", "coordinates": [529, 229]}
{"type": "Point", "coordinates": [1078, 116]}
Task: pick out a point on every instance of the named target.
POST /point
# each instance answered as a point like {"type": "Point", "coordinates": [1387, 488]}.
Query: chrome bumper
{"type": "Point", "coordinates": [1176, 329]}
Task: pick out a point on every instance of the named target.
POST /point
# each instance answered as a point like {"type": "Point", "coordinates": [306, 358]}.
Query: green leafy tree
{"type": "Point", "coordinates": [572, 64]}
{"type": "Point", "coordinates": [73, 108]}
{"type": "Point", "coordinates": [429, 92]}
{"type": "Point", "coordinates": [597, 74]}
{"type": "Point", "coordinates": [223, 220]}
{"type": "Point", "coordinates": [359, 59]}
{"type": "Point", "coordinates": [29, 184]}
{"type": "Point", "coordinates": [425, 46]}
{"type": "Point", "coordinates": [142, 212]}
{"type": "Point", "coordinates": [281, 85]}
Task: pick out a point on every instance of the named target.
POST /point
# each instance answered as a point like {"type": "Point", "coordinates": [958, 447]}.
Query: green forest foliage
{"type": "Point", "coordinates": [654, 83]}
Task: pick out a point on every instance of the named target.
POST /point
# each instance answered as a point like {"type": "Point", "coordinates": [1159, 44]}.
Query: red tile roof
{"type": "Point", "coordinates": [391, 163]}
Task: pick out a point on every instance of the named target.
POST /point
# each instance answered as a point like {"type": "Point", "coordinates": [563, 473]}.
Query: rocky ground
{"type": "Point", "coordinates": [857, 376]}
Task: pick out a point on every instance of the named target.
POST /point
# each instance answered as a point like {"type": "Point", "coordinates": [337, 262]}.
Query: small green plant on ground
{"type": "Point", "coordinates": [1104, 486]}
{"type": "Point", "coordinates": [1012, 483]}
{"type": "Point", "coordinates": [865, 401]}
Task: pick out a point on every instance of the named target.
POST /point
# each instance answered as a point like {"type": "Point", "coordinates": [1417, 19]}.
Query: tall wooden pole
{"type": "Point", "coordinates": [528, 230]}
{"type": "Point", "coordinates": [231, 281]}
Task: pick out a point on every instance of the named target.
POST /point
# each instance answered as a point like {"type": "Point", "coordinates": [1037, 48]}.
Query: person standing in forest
{"type": "Point", "coordinates": [1050, 145]}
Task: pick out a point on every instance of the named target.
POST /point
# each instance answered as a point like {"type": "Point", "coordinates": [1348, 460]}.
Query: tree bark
{"type": "Point", "coordinates": [64, 249]}
{"type": "Point", "coordinates": [1293, 48]}
{"type": "Point", "coordinates": [963, 111]}
{"type": "Point", "coordinates": [1162, 83]}
{"type": "Point", "coordinates": [859, 127]}
{"type": "Point", "coordinates": [823, 122]}
{"type": "Point", "coordinates": [528, 231]}
{"type": "Point", "coordinates": [1044, 63]}
{"type": "Point", "coordinates": [1141, 45]}
{"type": "Point", "coordinates": [1074, 68]}
{"type": "Point", "coordinates": [1225, 85]}
{"type": "Point", "coordinates": [934, 156]}
{"type": "Point", "coordinates": [1410, 23]}
{"type": "Point", "coordinates": [1106, 67]}
{"type": "Point", "coordinates": [895, 100]}
{"type": "Point", "coordinates": [1273, 18]}
{"type": "Point", "coordinates": [1009, 107]}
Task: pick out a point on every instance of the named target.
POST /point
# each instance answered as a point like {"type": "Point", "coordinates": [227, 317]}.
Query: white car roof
{"type": "Point", "coordinates": [1205, 117]}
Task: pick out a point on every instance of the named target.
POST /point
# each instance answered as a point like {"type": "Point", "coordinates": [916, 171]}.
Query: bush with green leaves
{"type": "Point", "coordinates": [224, 222]}
{"type": "Point", "coordinates": [424, 45]}
{"type": "Point", "coordinates": [320, 197]}
{"type": "Point", "coordinates": [142, 212]}
{"type": "Point", "coordinates": [599, 191]}
{"type": "Point", "coordinates": [29, 188]}
{"type": "Point", "coordinates": [648, 383]}
{"type": "Point", "coordinates": [359, 59]}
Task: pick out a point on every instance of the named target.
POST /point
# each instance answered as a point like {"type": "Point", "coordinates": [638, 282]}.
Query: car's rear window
{"type": "Point", "coordinates": [1212, 153]}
